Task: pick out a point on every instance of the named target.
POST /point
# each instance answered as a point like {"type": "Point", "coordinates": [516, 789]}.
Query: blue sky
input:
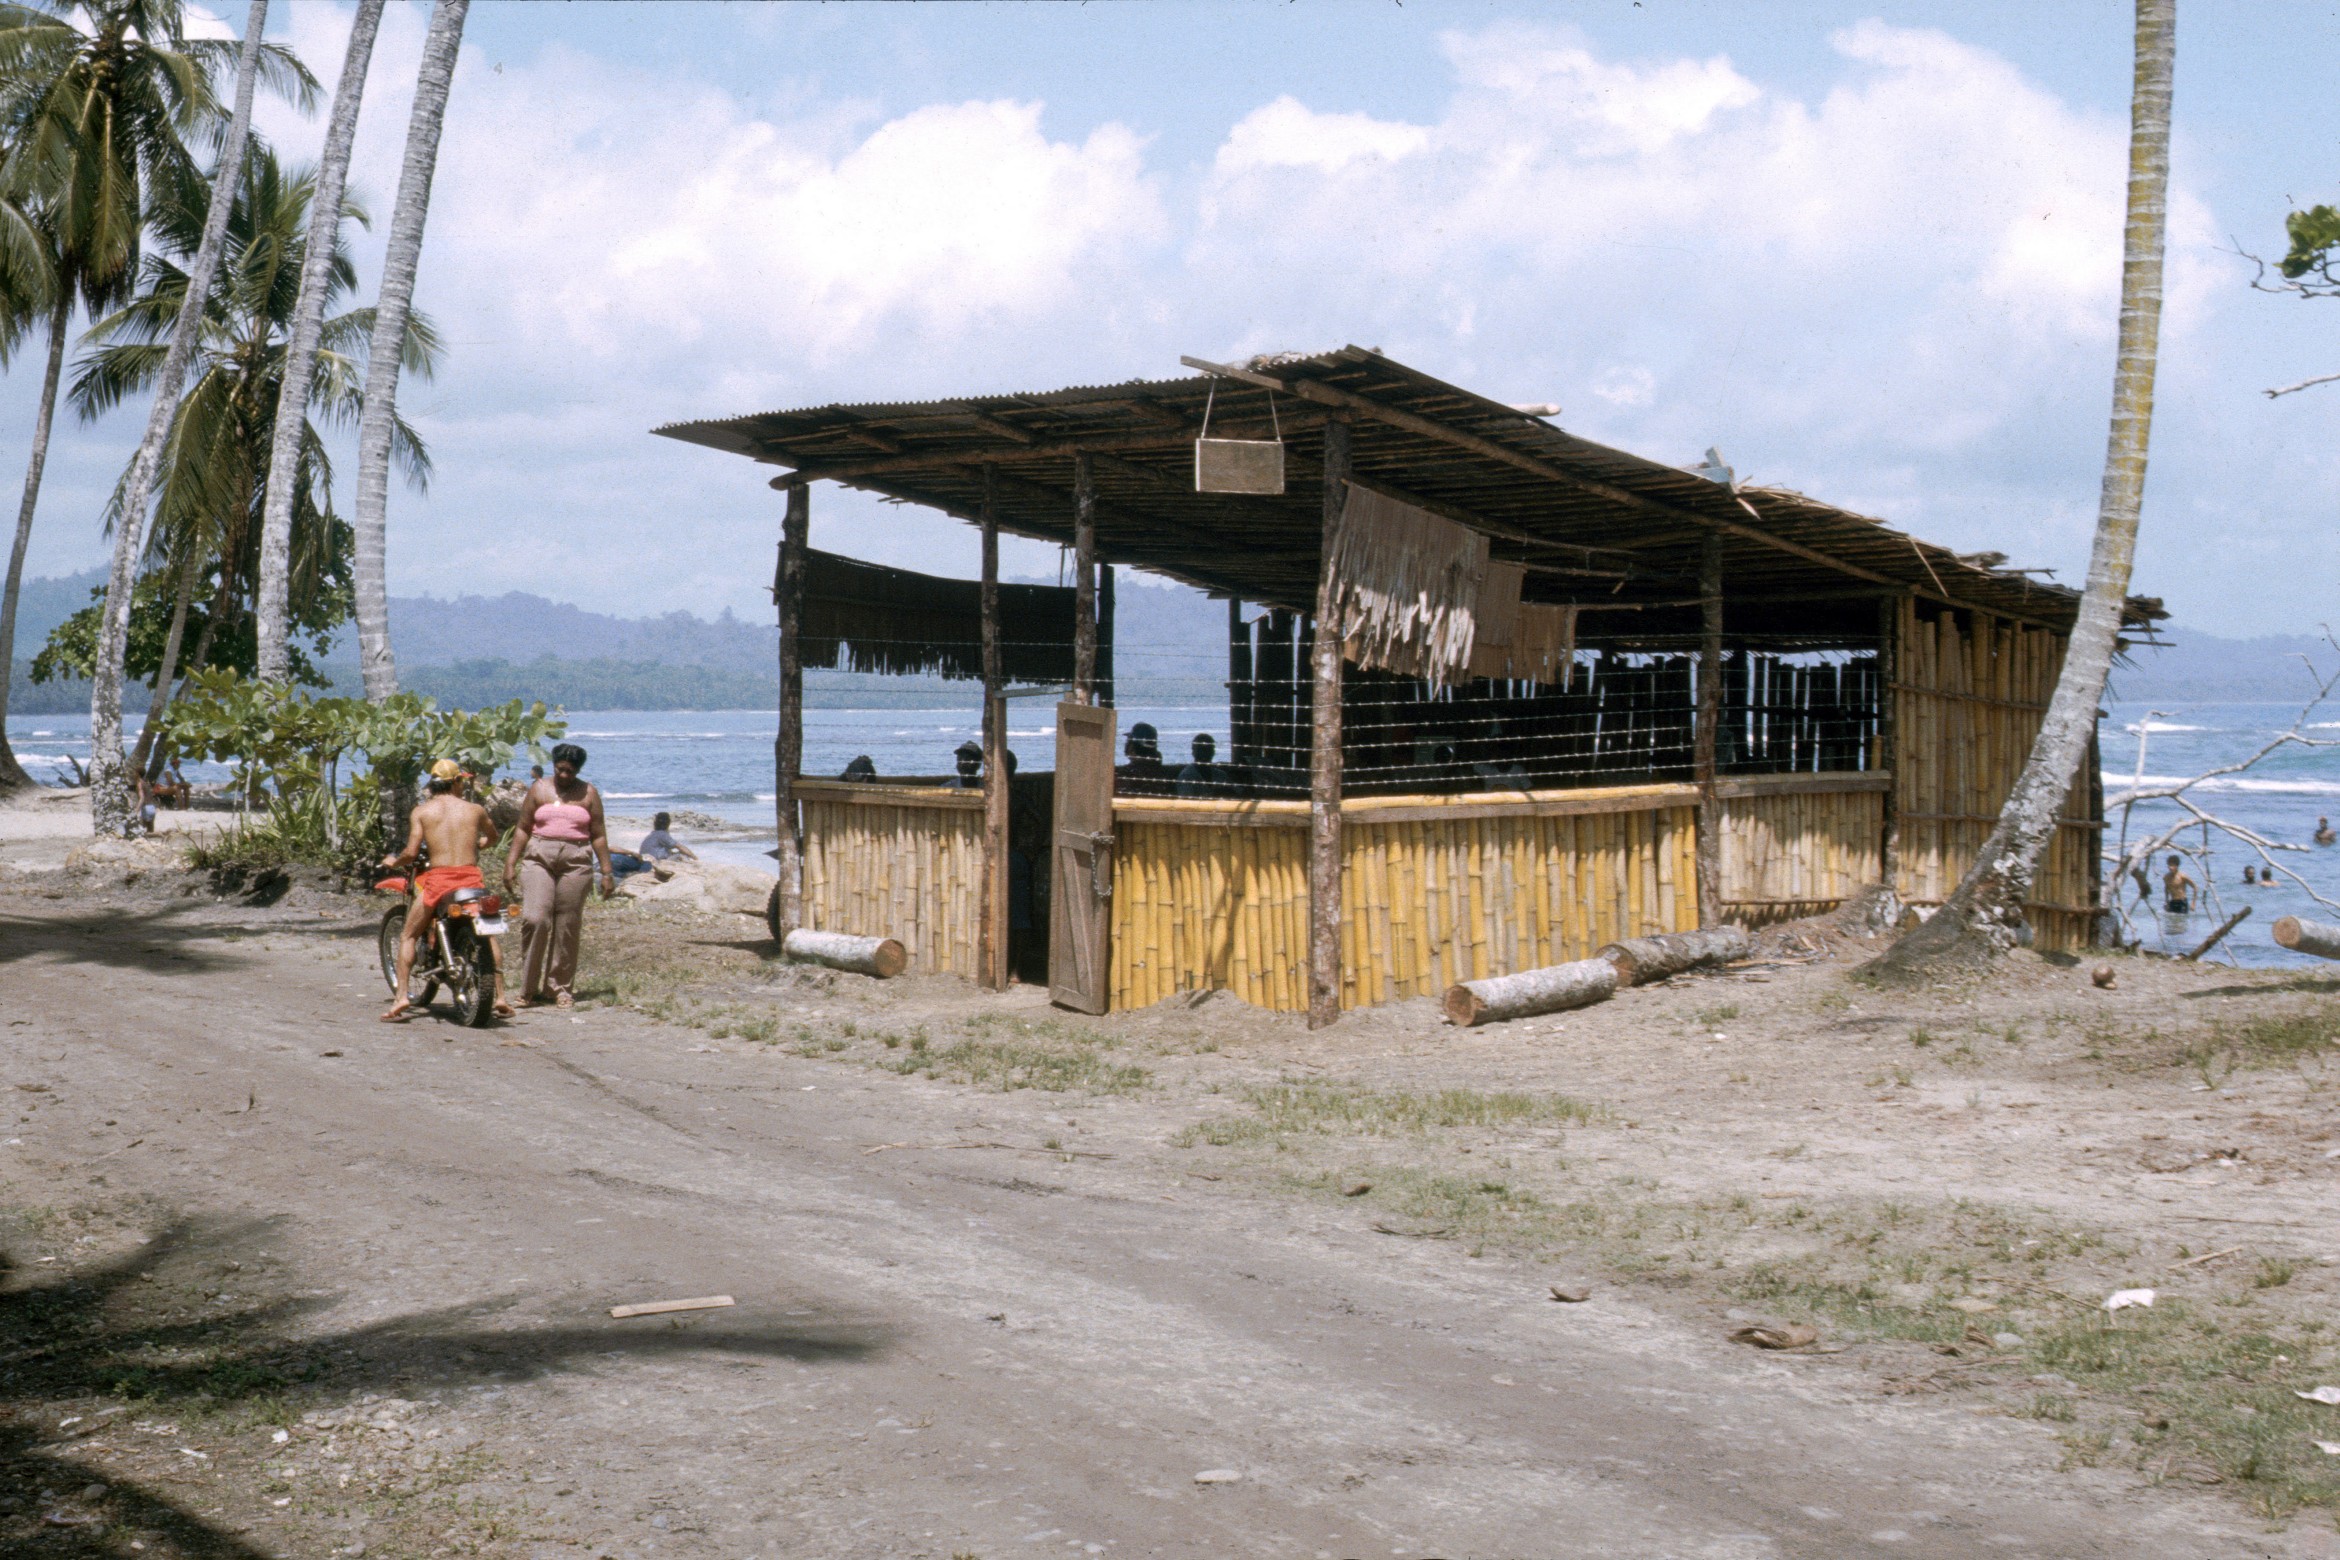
{"type": "Point", "coordinates": [1871, 251]}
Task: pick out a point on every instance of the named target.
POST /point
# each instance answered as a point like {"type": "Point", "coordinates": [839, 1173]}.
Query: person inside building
{"type": "Point", "coordinates": [1201, 778]}
{"type": "Point", "coordinates": [970, 762]}
{"type": "Point", "coordinates": [861, 769]}
{"type": "Point", "coordinates": [1142, 772]}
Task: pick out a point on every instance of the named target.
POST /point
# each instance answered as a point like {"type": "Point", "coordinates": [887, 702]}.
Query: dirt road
{"type": "Point", "coordinates": [968, 1322]}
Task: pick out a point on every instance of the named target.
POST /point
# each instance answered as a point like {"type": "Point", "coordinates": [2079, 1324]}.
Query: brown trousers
{"type": "Point", "coordinates": [555, 877]}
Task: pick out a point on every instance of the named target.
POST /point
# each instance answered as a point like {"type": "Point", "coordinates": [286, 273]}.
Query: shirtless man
{"type": "Point", "coordinates": [2177, 889]}
{"type": "Point", "coordinates": [456, 830]}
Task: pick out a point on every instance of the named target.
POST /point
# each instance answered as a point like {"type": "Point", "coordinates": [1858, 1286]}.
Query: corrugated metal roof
{"type": "Point", "coordinates": [1599, 525]}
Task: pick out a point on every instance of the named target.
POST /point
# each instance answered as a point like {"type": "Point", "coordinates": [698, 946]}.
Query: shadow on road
{"type": "Point", "coordinates": [118, 1330]}
{"type": "Point", "coordinates": [161, 942]}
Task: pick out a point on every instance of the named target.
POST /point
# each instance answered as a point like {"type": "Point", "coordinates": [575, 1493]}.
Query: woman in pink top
{"type": "Point", "coordinates": [554, 845]}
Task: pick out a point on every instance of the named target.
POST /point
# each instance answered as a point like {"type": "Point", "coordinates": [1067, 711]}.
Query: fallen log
{"type": "Point", "coordinates": [879, 956]}
{"type": "Point", "coordinates": [2213, 940]}
{"type": "Point", "coordinates": [1550, 990]}
{"type": "Point", "coordinates": [1640, 960]}
{"type": "Point", "coordinates": [2320, 938]}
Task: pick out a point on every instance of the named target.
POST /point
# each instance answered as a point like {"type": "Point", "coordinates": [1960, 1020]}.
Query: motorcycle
{"type": "Point", "coordinates": [455, 950]}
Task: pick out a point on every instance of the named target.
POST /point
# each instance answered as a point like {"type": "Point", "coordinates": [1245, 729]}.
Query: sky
{"type": "Point", "coordinates": [1870, 252]}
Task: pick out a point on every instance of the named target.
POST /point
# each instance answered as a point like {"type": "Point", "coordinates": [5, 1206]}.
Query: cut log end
{"type": "Point", "coordinates": [883, 957]}
{"type": "Point", "coordinates": [1530, 993]}
{"type": "Point", "coordinates": [2320, 938]}
{"type": "Point", "coordinates": [1640, 960]}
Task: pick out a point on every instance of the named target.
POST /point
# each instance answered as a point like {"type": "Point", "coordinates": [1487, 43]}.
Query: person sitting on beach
{"type": "Point", "coordinates": [454, 830]}
{"type": "Point", "coordinates": [659, 844]}
{"type": "Point", "coordinates": [861, 769]}
{"type": "Point", "coordinates": [1144, 773]}
{"type": "Point", "coordinates": [1201, 778]}
{"type": "Point", "coordinates": [2177, 889]}
{"type": "Point", "coordinates": [172, 787]}
{"type": "Point", "coordinates": [2324, 834]}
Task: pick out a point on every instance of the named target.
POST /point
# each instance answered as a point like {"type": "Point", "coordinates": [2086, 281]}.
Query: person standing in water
{"type": "Point", "coordinates": [2177, 889]}
{"type": "Point", "coordinates": [555, 843]}
{"type": "Point", "coordinates": [2324, 834]}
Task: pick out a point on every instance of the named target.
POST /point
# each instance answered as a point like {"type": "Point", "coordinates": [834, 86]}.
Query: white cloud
{"type": "Point", "coordinates": [1285, 135]}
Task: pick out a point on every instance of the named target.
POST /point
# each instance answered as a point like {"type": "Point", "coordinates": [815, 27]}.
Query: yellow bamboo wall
{"type": "Point", "coordinates": [1970, 692]}
{"type": "Point", "coordinates": [891, 861]}
{"type": "Point", "coordinates": [1433, 890]}
{"type": "Point", "coordinates": [1795, 852]}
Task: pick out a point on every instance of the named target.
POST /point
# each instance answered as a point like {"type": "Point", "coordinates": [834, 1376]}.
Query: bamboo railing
{"type": "Point", "coordinates": [1434, 889]}
{"type": "Point", "coordinates": [1969, 698]}
{"type": "Point", "coordinates": [1798, 845]}
{"type": "Point", "coordinates": [900, 861]}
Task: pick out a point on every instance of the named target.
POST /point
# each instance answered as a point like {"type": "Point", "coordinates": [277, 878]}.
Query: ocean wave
{"type": "Point", "coordinates": [2116, 783]}
{"type": "Point", "coordinates": [2161, 725]}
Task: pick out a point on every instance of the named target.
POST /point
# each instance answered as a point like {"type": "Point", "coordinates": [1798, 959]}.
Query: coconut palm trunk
{"type": "Point", "coordinates": [1984, 915]}
{"type": "Point", "coordinates": [12, 775]}
{"type": "Point", "coordinates": [144, 760]}
{"type": "Point", "coordinates": [300, 366]}
{"type": "Point", "coordinates": [400, 258]}
{"type": "Point", "coordinates": [111, 806]}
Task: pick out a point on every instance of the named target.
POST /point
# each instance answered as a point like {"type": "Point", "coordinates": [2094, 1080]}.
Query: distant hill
{"type": "Point", "coordinates": [1170, 646]}
{"type": "Point", "coordinates": [475, 650]}
{"type": "Point", "coordinates": [2202, 668]}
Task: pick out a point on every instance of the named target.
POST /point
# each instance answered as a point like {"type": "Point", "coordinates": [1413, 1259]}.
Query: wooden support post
{"type": "Point", "coordinates": [1105, 634]}
{"type": "Point", "coordinates": [1084, 581]}
{"type": "Point", "coordinates": [1709, 723]}
{"type": "Point", "coordinates": [1240, 738]}
{"type": "Point", "coordinates": [1324, 779]}
{"type": "Point", "coordinates": [788, 744]}
{"type": "Point", "coordinates": [1888, 741]}
{"type": "Point", "coordinates": [991, 949]}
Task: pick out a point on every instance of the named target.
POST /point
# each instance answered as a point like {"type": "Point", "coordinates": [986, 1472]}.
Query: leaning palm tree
{"type": "Point", "coordinates": [219, 462]}
{"type": "Point", "coordinates": [276, 525]}
{"type": "Point", "coordinates": [399, 259]}
{"type": "Point", "coordinates": [93, 101]}
{"type": "Point", "coordinates": [1984, 914]}
{"type": "Point", "coordinates": [109, 791]}
{"type": "Point", "coordinates": [28, 285]}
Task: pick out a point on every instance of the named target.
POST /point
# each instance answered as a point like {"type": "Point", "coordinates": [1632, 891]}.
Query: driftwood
{"type": "Point", "coordinates": [2320, 938]}
{"type": "Point", "coordinates": [1551, 990]}
{"type": "Point", "coordinates": [2215, 938]}
{"type": "Point", "coordinates": [879, 956]}
{"type": "Point", "coordinates": [1640, 960]}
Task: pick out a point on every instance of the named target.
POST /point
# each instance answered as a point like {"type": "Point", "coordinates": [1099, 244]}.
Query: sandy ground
{"type": "Point", "coordinates": [283, 1281]}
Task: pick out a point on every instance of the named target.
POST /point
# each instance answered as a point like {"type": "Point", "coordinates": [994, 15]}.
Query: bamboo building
{"type": "Point", "coordinates": [1497, 694]}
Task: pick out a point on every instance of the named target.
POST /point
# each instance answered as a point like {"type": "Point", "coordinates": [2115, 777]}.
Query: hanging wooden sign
{"type": "Point", "coordinates": [1239, 466]}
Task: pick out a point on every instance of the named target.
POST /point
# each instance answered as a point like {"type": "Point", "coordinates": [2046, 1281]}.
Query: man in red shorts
{"type": "Point", "coordinates": [456, 831]}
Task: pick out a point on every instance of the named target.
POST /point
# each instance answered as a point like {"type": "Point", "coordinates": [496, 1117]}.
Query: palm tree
{"type": "Point", "coordinates": [92, 103]}
{"type": "Point", "coordinates": [399, 260]}
{"type": "Point", "coordinates": [1984, 914]}
{"type": "Point", "coordinates": [218, 463]}
{"type": "Point", "coordinates": [301, 364]}
{"type": "Point", "coordinates": [28, 283]}
{"type": "Point", "coordinates": [109, 791]}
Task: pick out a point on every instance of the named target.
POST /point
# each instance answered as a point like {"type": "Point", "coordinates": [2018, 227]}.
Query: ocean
{"type": "Point", "coordinates": [720, 763]}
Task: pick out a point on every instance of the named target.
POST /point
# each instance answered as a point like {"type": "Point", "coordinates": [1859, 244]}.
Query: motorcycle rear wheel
{"type": "Point", "coordinates": [473, 983]}
{"type": "Point", "coordinates": [394, 923]}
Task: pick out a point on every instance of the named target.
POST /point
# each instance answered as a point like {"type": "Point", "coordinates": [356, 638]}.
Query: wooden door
{"type": "Point", "coordinates": [1081, 886]}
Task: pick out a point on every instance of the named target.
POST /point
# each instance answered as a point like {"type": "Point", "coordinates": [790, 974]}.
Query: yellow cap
{"type": "Point", "coordinates": [446, 769]}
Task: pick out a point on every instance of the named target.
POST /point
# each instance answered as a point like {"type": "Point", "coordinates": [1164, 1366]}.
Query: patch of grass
{"type": "Point", "coordinates": [1291, 1109]}
{"type": "Point", "coordinates": [2274, 1273]}
{"type": "Point", "coordinates": [1005, 1054]}
{"type": "Point", "coordinates": [2280, 1039]}
{"type": "Point", "coordinates": [1707, 1018]}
